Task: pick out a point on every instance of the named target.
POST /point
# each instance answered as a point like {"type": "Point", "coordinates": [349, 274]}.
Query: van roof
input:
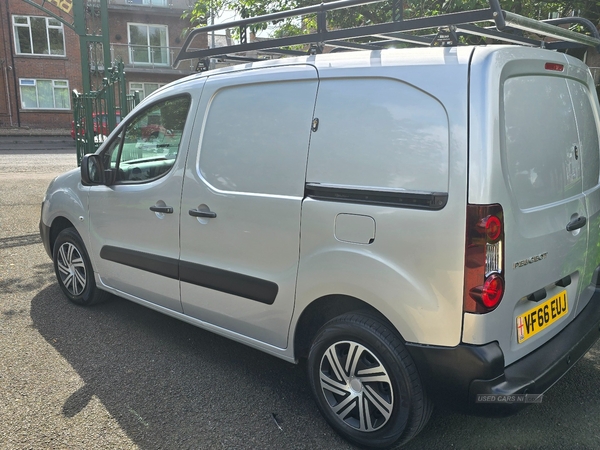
{"type": "Point", "coordinates": [420, 56]}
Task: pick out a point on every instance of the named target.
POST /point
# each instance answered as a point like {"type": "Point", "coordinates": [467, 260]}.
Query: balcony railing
{"type": "Point", "coordinates": [149, 57]}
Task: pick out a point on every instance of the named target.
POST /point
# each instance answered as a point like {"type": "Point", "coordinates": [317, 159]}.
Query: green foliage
{"type": "Point", "coordinates": [199, 15]}
{"type": "Point", "coordinates": [380, 12]}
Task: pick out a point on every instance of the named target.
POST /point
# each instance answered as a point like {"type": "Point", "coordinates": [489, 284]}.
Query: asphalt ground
{"type": "Point", "coordinates": [120, 376]}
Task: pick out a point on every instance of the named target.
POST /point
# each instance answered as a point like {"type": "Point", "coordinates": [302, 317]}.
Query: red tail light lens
{"type": "Point", "coordinates": [493, 290]}
{"type": "Point", "coordinates": [554, 66]}
{"type": "Point", "coordinates": [484, 258]}
{"type": "Point", "coordinates": [493, 228]}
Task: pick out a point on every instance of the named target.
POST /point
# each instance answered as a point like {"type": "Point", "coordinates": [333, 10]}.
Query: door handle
{"type": "Point", "coordinates": [576, 223]}
{"type": "Point", "coordinates": [198, 213]}
{"type": "Point", "coordinates": [162, 209]}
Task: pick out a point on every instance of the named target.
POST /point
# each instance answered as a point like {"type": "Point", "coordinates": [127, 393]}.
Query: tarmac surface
{"type": "Point", "coordinates": [43, 143]}
{"type": "Point", "coordinates": [120, 376]}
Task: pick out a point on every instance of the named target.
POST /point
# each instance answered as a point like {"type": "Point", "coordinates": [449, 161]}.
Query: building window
{"type": "Point", "coordinates": [39, 36]}
{"type": "Point", "coordinates": [148, 44]}
{"type": "Point", "coordinates": [145, 89]}
{"type": "Point", "coordinates": [44, 94]}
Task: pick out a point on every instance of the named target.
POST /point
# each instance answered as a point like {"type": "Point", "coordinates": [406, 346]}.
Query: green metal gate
{"type": "Point", "coordinates": [97, 113]}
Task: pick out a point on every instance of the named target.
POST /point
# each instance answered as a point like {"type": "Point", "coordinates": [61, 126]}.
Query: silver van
{"type": "Point", "coordinates": [417, 223]}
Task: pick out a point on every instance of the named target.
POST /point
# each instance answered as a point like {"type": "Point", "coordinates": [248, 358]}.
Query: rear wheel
{"type": "Point", "coordinates": [74, 270]}
{"type": "Point", "coordinates": [365, 382]}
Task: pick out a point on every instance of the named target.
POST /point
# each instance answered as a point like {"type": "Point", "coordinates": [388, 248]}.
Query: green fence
{"type": "Point", "coordinates": [97, 113]}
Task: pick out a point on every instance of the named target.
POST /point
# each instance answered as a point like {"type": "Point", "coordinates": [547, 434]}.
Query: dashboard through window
{"type": "Point", "coordinates": [148, 147]}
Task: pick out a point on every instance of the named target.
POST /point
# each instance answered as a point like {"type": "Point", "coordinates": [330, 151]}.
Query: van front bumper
{"type": "Point", "coordinates": [464, 372]}
{"type": "Point", "coordinates": [45, 235]}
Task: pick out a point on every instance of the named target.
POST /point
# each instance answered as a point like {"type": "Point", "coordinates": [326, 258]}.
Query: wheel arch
{"type": "Point", "coordinates": [58, 224]}
{"type": "Point", "coordinates": [321, 311]}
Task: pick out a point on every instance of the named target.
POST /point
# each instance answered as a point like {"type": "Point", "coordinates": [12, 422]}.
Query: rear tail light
{"type": "Point", "coordinates": [484, 258]}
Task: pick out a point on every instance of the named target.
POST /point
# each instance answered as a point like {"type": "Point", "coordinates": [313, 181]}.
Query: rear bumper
{"type": "Point", "coordinates": [462, 373]}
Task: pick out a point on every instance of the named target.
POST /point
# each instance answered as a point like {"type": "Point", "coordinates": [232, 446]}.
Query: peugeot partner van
{"type": "Point", "coordinates": [415, 223]}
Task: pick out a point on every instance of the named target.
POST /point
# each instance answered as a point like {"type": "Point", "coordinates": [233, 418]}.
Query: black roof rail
{"type": "Point", "coordinates": [507, 27]}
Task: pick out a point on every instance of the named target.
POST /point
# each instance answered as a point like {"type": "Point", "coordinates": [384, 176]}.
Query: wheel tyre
{"type": "Point", "coordinates": [365, 383]}
{"type": "Point", "coordinates": [74, 270]}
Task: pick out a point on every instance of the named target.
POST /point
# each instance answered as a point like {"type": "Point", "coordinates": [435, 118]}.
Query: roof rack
{"type": "Point", "coordinates": [507, 28]}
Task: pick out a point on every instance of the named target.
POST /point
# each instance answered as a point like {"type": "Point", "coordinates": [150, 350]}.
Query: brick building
{"type": "Point", "coordinates": [146, 36]}
{"type": "Point", "coordinates": [40, 64]}
{"type": "Point", "coordinates": [40, 61]}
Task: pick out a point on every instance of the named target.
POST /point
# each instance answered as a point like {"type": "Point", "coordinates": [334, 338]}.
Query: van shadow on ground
{"type": "Point", "coordinates": [172, 385]}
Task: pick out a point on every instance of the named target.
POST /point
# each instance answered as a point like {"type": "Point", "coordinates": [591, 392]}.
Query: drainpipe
{"type": "Point", "coordinates": [7, 92]}
{"type": "Point", "coordinates": [12, 58]}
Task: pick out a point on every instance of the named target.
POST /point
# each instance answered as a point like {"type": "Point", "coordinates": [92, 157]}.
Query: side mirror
{"type": "Point", "coordinates": [91, 170]}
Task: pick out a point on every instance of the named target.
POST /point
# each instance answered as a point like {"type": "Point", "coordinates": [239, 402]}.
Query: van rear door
{"type": "Point", "coordinates": [585, 106]}
{"type": "Point", "coordinates": [529, 137]}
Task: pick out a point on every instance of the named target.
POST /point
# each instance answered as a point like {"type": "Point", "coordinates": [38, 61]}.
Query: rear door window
{"type": "Point", "coordinates": [588, 133]}
{"type": "Point", "coordinates": [541, 141]}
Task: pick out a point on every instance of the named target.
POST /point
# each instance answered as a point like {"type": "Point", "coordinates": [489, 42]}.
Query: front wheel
{"type": "Point", "coordinates": [365, 382]}
{"type": "Point", "coordinates": [74, 270]}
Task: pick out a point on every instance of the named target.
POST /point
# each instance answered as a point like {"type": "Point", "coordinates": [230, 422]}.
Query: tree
{"type": "Point", "coordinates": [380, 12]}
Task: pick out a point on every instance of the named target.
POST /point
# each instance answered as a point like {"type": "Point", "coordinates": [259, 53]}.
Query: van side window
{"type": "Point", "coordinates": [587, 124]}
{"type": "Point", "coordinates": [540, 149]}
{"type": "Point", "coordinates": [379, 133]}
{"type": "Point", "coordinates": [255, 138]}
{"type": "Point", "coordinates": [149, 145]}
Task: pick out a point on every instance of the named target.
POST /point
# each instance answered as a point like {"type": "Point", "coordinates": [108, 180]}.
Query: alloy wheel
{"type": "Point", "coordinates": [356, 385]}
{"type": "Point", "coordinates": [71, 268]}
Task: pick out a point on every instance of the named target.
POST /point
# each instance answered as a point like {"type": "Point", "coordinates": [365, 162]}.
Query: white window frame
{"type": "Point", "coordinates": [34, 82]}
{"type": "Point", "coordinates": [48, 27]}
{"type": "Point", "coordinates": [142, 91]}
{"type": "Point", "coordinates": [149, 2]}
{"type": "Point", "coordinates": [148, 46]}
